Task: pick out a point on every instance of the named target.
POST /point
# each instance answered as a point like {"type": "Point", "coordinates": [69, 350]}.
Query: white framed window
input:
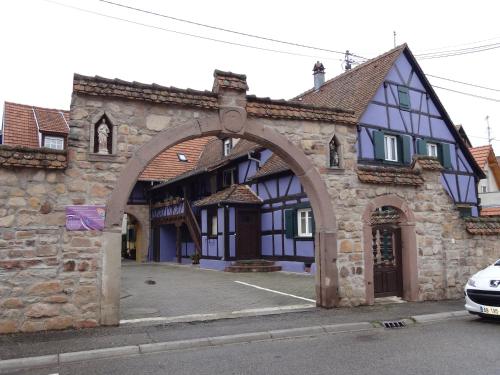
{"type": "Point", "coordinates": [182, 157]}
{"type": "Point", "coordinates": [391, 147]}
{"type": "Point", "coordinates": [304, 222]}
{"type": "Point", "coordinates": [228, 145]}
{"type": "Point", "coordinates": [432, 150]}
{"type": "Point", "coordinates": [56, 143]}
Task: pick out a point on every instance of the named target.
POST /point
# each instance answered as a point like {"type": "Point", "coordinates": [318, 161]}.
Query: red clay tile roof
{"type": "Point", "coordinates": [490, 211]}
{"type": "Point", "coordinates": [429, 163]}
{"type": "Point", "coordinates": [481, 154]}
{"type": "Point", "coordinates": [167, 165]}
{"type": "Point", "coordinates": [483, 225]}
{"type": "Point", "coordinates": [356, 87]}
{"type": "Point", "coordinates": [52, 120]}
{"type": "Point", "coordinates": [389, 175]}
{"type": "Point", "coordinates": [233, 194]}
{"type": "Point", "coordinates": [485, 155]}
{"type": "Point", "coordinates": [273, 165]}
{"type": "Point", "coordinates": [21, 123]}
{"type": "Point", "coordinates": [229, 80]}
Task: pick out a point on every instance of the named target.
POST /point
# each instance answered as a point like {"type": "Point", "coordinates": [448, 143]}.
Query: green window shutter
{"type": "Point", "coordinates": [378, 144]}
{"type": "Point", "coordinates": [290, 223]}
{"type": "Point", "coordinates": [406, 149]}
{"type": "Point", "coordinates": [404, 97]}
{"type": "Point", "coordinates": [445, 156]}
{"type": "Point", "coordinates": [421, 147]}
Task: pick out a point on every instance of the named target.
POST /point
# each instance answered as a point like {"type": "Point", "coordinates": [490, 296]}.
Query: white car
{"type": "Point", "coordinates": [482, 292]}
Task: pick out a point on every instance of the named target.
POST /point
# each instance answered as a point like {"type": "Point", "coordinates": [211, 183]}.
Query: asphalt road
{"type": "Point", "coordinates": [465, 346]}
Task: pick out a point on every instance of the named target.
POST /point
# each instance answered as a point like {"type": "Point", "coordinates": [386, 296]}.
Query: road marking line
{"type": "Point", "coordinates": [275, 291]}
{"type": "Point", "coordinates": [214, 316]}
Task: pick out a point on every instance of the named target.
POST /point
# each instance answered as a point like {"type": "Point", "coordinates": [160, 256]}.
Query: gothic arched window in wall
{"type": "Point", "coordinates": [334, 152]}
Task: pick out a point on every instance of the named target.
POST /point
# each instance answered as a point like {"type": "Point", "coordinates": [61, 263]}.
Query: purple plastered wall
{"type": "Point", "coordinates": [424, 122]}
{"type": "Point", "coordinates": [167, 243]}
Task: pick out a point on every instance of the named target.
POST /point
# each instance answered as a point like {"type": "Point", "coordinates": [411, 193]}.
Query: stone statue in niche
{"type": "Point", "coordinates": [102, 138]}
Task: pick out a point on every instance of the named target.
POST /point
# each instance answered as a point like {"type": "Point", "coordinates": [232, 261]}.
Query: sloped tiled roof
{"type": "Point", "coordinates": [483, 225]}
{"type": "Point", "coordinates": [354, 88]}
{"type": "Point", "coordinates": [429, 163]}
{"type": "Point", "coordinates": [234, 194]}
{"type": "Point", "coordinates": [389, 175]}
{"type": "Point", "coordinates": [484, 156]}
{"type": "Point", "coordinates": [256, 107]}
{"type": "Point", "coordinates": [273, 165]}
{"type": "Point", "coordinates": [167, 165]}
{"type": "Point", "coordinates": [481, 154]}
{"type": "Point", "coordinates": [52, 120]}
{"type": "Point", "coordinates": [490, 211]}
{"type": "Point", "coordinates": [20, 124]}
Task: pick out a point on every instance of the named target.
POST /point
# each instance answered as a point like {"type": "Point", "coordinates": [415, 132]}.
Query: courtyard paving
{"type": "Point", "coordinates": [171, 290]}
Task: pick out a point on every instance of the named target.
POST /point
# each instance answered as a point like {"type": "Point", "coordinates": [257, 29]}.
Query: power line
{"type": "Point", "coordinates": [458, 52]}
{"type": "Point", "coordinates": [189, 34]}
{"type": "Point", "coordinates": [467, 93]}
{"type": "Point", "coordinates": [294, 44]}
{"type": "Point", "coordinates": [463, 83]}
{"type": "Point", "coordinates": [460, 44]}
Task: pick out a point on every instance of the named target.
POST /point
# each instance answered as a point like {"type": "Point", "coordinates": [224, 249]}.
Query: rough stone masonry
{"type": "Point", "coordinates": [52, 278]}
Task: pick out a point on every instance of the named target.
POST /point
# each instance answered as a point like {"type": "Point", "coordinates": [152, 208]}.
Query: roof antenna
{"type": "Point", "coordinates": [489, 129]}
{"type": "Point", "coordinates": [348, 61]}
{"type": "Point", "coordinates": [394, 34]}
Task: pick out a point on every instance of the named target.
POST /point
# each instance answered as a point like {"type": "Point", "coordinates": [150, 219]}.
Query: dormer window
{"type": "Point", "coordinates": [182, 157]}
{"type": "Point", "coordinates": [56, 143]}
{"type": "Point", "coordinates": [228, 146]}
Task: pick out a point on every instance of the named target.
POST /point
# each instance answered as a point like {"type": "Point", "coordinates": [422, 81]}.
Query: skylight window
{"type": "Point", "coordinates": [182, 157]}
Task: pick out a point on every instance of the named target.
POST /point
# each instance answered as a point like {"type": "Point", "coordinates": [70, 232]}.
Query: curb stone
{"type": "Point", "coordinates": [65, 358]}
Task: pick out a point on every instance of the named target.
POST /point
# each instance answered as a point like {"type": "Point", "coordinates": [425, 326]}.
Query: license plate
{"type": "Point", "coordinates": [490, 310]}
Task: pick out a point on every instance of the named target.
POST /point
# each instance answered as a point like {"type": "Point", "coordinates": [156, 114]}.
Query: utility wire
{"type": "Point", "coordinates": [458, 52]}
{"type": "Point", "coordinates": [437, 49]}
{"type": "Point", "coordinates": [238, 44]}
{"type": "Point", "coordinates": [463, 83]}
{"type": "Point", "coordinates": [223, 29]}
{"type": "Point", "coordinates": [187, 34]}
{"type": "Point", "coordinates": [467, 93]}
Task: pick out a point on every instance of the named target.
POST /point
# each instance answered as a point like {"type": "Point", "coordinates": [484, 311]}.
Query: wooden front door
{"type": "Point", "coordinates": [247, 233]}
{"type": "Point", "coordinates": [387, 267]}
{"type": "Point", "coordinates": [156, 244]}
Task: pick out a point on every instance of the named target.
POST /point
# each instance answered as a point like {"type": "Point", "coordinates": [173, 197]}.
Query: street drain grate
{"type": "Point", "coordinates": [394, 324]}
{"type": "Point", "coordinates": [150, 282]}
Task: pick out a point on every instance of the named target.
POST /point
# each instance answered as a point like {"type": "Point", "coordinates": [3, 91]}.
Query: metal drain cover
{"type": "Point", "coordinates": [394, 324]}
{"type": "Point", "coordinates": [150, 282]}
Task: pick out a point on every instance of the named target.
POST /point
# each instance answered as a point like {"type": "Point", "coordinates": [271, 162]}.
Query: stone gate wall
{"type": "Point", "coordinates": [51, 278]}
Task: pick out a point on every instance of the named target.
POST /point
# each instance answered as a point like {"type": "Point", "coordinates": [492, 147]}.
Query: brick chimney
{"type": "Point", "coordinates": [319, 75]}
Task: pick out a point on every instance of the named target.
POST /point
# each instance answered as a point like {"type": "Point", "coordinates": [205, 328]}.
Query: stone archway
{"type": "Point", "coordinates": [141, 214]}
{"type": "Point", "coordinates": [230, 123]}
{"type": "Point", "coordinates": [408, 243]}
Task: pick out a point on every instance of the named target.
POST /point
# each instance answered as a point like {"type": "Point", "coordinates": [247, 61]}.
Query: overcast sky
{"type": "Point", "coordinates": [43, 44]}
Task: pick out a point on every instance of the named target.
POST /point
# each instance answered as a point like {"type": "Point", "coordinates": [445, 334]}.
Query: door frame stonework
{"type": "Point", "coordinates": [326, 279]}
{"type": "Point", "coordinates": [408, 251]}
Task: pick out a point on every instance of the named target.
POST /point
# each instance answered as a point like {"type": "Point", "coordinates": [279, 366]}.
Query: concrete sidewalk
{"type": "Point", "coordinates": [49, 343]}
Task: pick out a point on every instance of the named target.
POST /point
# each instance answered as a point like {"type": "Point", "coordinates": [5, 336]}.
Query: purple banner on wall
{"type": "Point", "coordinates": [85, 217]}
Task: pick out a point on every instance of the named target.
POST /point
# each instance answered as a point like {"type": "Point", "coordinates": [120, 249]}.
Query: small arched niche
{"type": "Point", "coordinates": [103, 122]}
{"type": "Point", "coordinates": [335, 153]}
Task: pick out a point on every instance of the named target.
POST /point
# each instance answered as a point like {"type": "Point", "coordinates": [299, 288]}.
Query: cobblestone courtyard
{"type": "Point", "coordinates": [168, 290]}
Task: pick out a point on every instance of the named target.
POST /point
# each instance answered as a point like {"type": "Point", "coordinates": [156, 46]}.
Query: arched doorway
{"type": "Point", "coordinates": [253, 130]}
{"type": "Point", "coordinates": [390, 249]}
